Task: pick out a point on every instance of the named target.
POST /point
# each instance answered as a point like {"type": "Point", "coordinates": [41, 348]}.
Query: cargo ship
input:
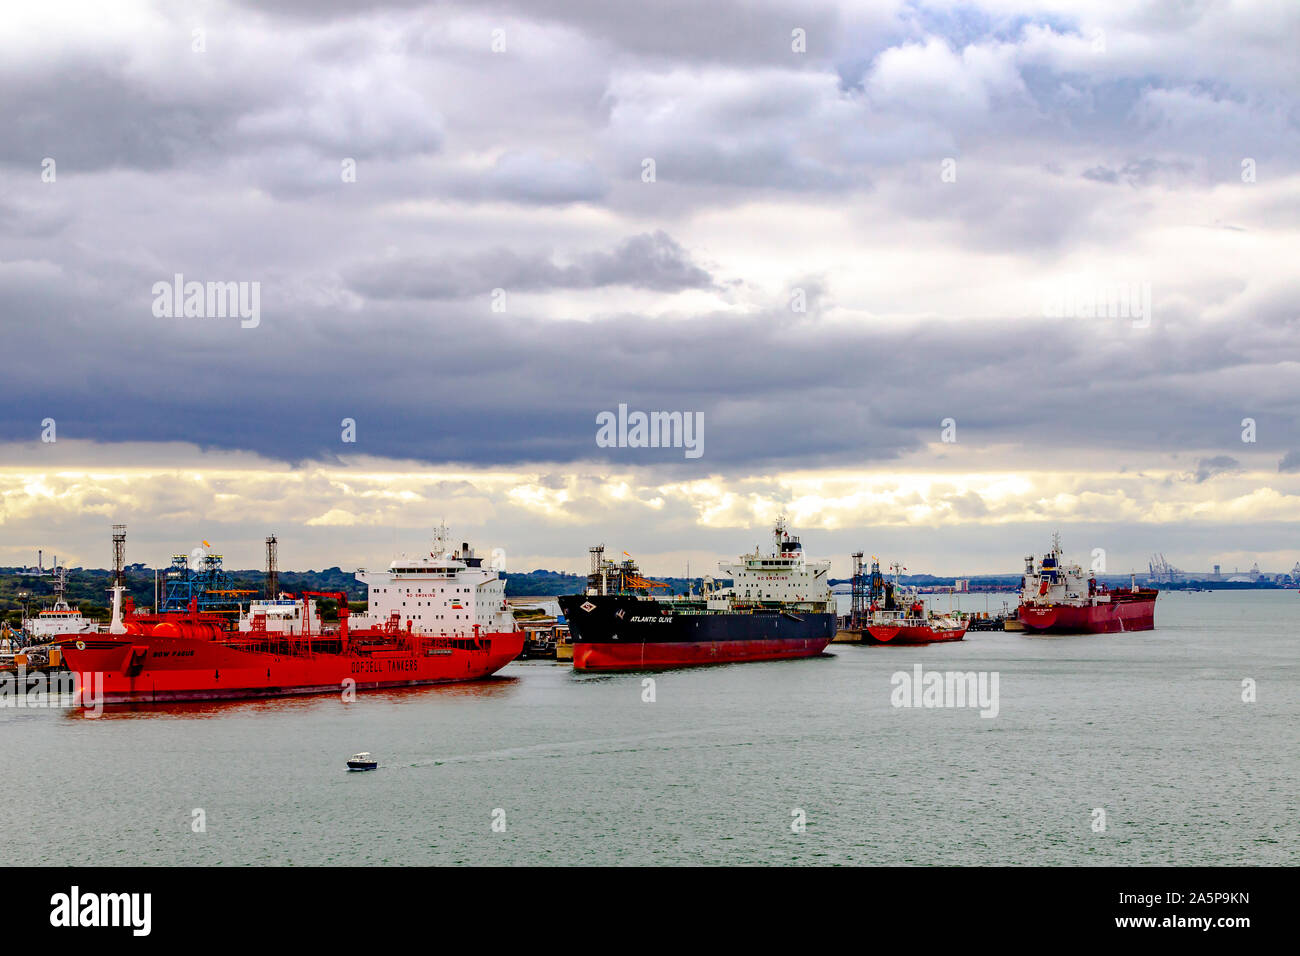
{"type": "Point", "coordinates": [434, 618]}
{"type": "Point", "coordinates": [777, 606]}
{"type": "Point", "coordinates": [1058, 598]}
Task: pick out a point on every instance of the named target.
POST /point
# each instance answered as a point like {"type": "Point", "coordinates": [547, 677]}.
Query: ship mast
{"type": "Point", "coordinates": [440, 538]}
{"type": "Point", "coordinates": [119, 578]}
{"type": "Point", "coordinates": [60, 589]}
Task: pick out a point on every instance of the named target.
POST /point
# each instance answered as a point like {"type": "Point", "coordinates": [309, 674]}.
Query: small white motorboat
{"type": "Point", "coordinates": [362, 761]}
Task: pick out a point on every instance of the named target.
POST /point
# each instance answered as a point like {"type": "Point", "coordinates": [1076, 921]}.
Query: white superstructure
{"type": "Point", "coordinates": [283, 615]}
{"type": "Point", "coordinates": [443, 592]}
{"type": "Point", "coordinates": [59, 618]}
{"type": "Point", "coordinates": [782, 576]}
{"type": "Point", "coordinates": [1053, 582]}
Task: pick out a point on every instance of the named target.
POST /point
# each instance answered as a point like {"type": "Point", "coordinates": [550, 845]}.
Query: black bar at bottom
{"type": "Point", "coordinates": [370, 906]}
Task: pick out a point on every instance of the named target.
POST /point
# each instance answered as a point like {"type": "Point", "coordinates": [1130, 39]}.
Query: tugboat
{"type": "Point", "coordinates": [778, 606]}
{"type": "Point", "coordinates": [363, 761]}
{"type": "Point", "coordinates": [1057, 598]}
{"type": "Point", "coordinates": [60, 618]}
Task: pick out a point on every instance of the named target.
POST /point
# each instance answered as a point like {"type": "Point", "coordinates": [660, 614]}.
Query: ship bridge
{"type": "Point", "coordinates": [783, 575]}
{"type": "Point", "coordinates": [441, 592]}
{"type": "Point", "coordinates": [428, 566]}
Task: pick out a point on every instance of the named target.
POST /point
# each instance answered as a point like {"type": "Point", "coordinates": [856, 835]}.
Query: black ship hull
{"type": "Point", "coordinates": [618, 632]}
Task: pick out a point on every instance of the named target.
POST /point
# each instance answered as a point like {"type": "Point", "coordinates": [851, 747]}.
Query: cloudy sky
{"type": "Point", "coordinates": [825, 228]}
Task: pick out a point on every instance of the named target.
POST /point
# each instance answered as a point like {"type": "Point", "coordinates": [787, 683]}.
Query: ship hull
{"type": "Point", "coordinates": [910, 634]}
{"type": "Point", "coordinates": [1139, 615]}
{"type": "Point", "coordinates": [136, 669]}
{"type": "Point", "coordinates": [616, 633]}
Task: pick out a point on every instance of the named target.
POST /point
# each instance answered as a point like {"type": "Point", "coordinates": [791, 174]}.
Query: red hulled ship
{"type": "Point", "coordinates": [436, 618]}
{"type": "Point", "coordinates": [895, 614]}
{"type": "Point", "coordinates": [1057, 598]}
{"type": "Point", "coordinates": [915, 628]}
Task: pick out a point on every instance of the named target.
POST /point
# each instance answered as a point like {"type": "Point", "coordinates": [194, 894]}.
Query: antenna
{"type": "Point", "coordinates": [440, 539]}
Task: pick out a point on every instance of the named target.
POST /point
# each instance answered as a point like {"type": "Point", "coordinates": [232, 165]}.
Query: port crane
{"type": "Point", "coordinates": [1161, 571]}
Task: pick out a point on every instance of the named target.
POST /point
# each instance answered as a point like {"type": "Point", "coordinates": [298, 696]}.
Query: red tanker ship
{"type": "Point", "coordinates": [896, 614]}
{"type": "Point", "coordinates": [1056, 598]}
{"type": "Point", "coordinates": [910, 624]}
{"type": "Point", "coordinates": [457, 628]}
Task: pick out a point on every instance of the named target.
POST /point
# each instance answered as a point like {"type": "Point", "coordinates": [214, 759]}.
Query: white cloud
{"type": "Point", "coordinates": [931, 79]}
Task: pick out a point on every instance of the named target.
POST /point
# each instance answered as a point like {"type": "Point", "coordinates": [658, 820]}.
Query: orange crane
{"type": "Point", "coordinates": [231, 593]}
{"type": "Point", "coordinates": [342, 600]}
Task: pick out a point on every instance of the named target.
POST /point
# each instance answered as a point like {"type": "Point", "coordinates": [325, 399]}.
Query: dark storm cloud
{"type": "Point", "coordinates": [523, 172]}
{"type": "Point", "coordinates": [1208, 468]}
{"type": "Point", "coordinates": [968, 505]}
{"type": "Point", "coordinates": [722, 30]}
{"type": "Point", "coordinates": [187, 108]}
{"type": "Point", "coordinates": [726, 30]}
{"type": "Point", "coordinates": [1140, 172]}
{"type": "Point", "coordinates": [90, 117]}
{"type": "Point", "coordinates": [459, 383]}
{"type": "Point", "coordinates": [651, 261]}
{"type": "Point", "coordinates": [1101, 174]}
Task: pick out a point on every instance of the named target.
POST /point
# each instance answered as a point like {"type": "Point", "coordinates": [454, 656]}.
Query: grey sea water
{"type": "Point", "coordinates": [1149, 727]}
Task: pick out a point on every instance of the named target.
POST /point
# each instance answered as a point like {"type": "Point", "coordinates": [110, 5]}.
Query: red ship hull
{"type": "Point", "coordinates": [637, 656]}
{"type": "Point", "coordinates": [132, 668]}
{"type": "Point", "coordinates": [1123, 615]}
{"type": "Point", "coordinates": [911, 634]}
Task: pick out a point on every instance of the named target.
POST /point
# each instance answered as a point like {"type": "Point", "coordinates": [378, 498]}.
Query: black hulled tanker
{"type": "Point", "coordinates": [778, 606]}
